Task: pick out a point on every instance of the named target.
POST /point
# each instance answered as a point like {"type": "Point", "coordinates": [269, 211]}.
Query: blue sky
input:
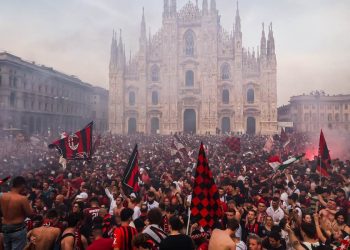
{"type": "Point", "coordinates": [312, 36]}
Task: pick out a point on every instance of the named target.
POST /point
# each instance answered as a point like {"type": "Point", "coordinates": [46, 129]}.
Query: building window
{"type": "Point", "coordinates": [225, 71]}
{"type": "Point", "coordinates": [346, 117]}
{"type": "Point", "coordinates": [15, 82]}
{"type": "Point", "coordinates": [132, 98]}
{"type": "Point", "coordinates": [12, 99]}
{"type": "Point", "coordinates": [155, 73]}
{"type": "Point", "coordinates": [250, 96]}
{"type": "Point", "coordinates": [189, 43]}
{"type": "Point", "coordinates": [154, 98]}
{"type": "Point", "coordinates": [337, 106]}
{"type": "Point", "coordinates": [306, 117]}
{"type": "Point", "coordinates": [337, 117]}
{"type": "Point", "coordinates": [345, 106]}
{"type": "Point", "coordinates": [189, 78]}
{"type": "Point", "coordinates": [225, 96]}
{"type": "Point", "coordinates": [329, 117]}
{"type": "Point", "coordinates": [0, 80]}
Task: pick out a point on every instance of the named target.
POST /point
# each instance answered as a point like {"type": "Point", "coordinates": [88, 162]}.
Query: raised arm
{"type": "Point", "coordinates": [108, 193]}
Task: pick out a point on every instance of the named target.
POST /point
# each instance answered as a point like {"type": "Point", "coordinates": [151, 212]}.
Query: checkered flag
{"type": "Point", "coordinates": [205, 203]}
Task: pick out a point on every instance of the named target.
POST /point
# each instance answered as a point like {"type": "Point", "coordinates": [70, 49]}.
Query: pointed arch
{"type": "Point", "coordinates": [155, 73]}
{"type": "Point", "coordinates": [189, 78]}
{"type": "Point", "coordinates": [250, 96]}
{"type": "Point", "coordinates": [225, 96]}
{"type": "Point", "coordinates": [189, 43]}
{"type": "Point", "coordinates": [225, 71]}
{"type": "Point", "coordinates": [132, 98]}
{"type": "Point", "coordinates": [155, 98]}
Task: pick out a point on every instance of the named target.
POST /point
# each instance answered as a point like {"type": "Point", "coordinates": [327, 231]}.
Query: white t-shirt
{"type": "Point", "coordinates": [241, 246]}
{"type": "Point", "coordinates": [277, 215]}
{"type": "Point", "coordinates": [153, 205]}
{"type": "Point", "coordinates": [137, 213]}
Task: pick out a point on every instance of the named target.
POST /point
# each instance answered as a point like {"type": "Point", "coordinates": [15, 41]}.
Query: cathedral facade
{"type": "Point", "coordinates": [192, 76]}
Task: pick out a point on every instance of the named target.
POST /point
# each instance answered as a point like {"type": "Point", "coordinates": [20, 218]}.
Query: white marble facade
{"type": "Point", "coordinates": [193, 76]}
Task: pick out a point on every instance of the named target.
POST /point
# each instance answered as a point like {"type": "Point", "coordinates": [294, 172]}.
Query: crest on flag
{"type": "Point", "coordinates": [76, 146]}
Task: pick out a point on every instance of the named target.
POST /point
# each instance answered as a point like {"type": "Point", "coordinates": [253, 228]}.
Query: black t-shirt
{"type": "Point", "coordinates": [266, 244]}
{"type": "Point", "coordinates": [176, 242]}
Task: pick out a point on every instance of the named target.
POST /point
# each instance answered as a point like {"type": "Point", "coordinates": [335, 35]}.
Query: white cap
{"type": "Point", "coordinates": [82, 196]}
{"type": "Point", "coordinates": [133, 195]}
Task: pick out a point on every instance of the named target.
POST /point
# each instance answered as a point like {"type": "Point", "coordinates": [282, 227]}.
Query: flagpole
{"type": "Point", "coordinates": [188, 221]}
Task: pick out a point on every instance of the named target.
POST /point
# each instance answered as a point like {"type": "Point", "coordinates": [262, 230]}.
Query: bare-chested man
{"type": "Point", "coordinates": [222, 239]}
{"type": "Point", "coordinates": [71, 238]}
{"type": "Point", "coordinates": [15, 208]}
{"type": "Point", "coordinates": [44, 237]}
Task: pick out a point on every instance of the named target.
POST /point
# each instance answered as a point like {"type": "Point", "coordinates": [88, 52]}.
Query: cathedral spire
{"type": "Point", "coordinates": [143, 26]}
{"type": "Point", "coordinates": [121, 52]}
{"type": "Point", "coordinates": [272, 40]}
{"type": "Point", "coordinates": [114, 51]}
{"type": "Point", "coordinates": [205, 7]}
{"type": "Point", "coordinates": [213, 6]}
{"type": "Point", "coordinates": [263, 42]}
{"type": "Point", "coordinates": [173, 8]}
{"type": "Point", "coordinates": [238, 20]}
{"type": "Point", "coordinates": [166, 8]}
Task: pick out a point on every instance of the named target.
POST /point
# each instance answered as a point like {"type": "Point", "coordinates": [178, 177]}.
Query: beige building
{"type": "Point", "coordinates": [310, 113]}
{"type": "Point", "coordinates": [40, 100]}
{"type": "Point", "coordinates": [193, 76]}
{"type": "Point", "coordinates": [99, 106]}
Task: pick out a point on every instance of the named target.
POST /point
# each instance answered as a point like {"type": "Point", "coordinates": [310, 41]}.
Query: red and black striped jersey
{"type": "Point", "coordinates": [123, 236]}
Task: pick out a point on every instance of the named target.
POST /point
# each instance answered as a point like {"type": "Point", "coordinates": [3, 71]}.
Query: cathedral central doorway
{"type": "Point", "coordinates": [132, 126]}
{"type": "Point", "coordinates": [250, 125]}
{"type": "Point", "coordinates": [190, 121]}
{"type": "Point", "coordinates": [225, 125]}
{"type": "Point", "coordinates": [154, 125]}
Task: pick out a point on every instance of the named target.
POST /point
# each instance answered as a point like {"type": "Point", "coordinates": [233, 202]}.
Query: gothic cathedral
{"type": "Point", "coordinates": [192, 76]}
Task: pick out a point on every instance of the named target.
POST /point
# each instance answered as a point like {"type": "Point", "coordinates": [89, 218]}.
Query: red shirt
{"type": "Point", "coordinates": [102, 243]}
{"type": "Point", "coordinates": [122, 237]}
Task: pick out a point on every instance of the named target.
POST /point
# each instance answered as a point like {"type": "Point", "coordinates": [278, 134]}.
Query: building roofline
{"type": "Point", "coordinates": [8, 57]}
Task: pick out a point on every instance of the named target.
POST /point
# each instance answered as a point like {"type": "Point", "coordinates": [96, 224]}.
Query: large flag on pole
{"type": "Point", "coordinates": [205, 202]}
{"type": "Point", "coordinates": [132, 174]}
{"type": "Point", "coordinates": [76, 146]}
{"type": "Point", "coordinates": [324, 159]}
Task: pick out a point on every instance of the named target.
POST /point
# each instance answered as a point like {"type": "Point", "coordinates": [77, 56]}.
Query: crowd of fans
{"type": "Point", "coordinates": [84, 206]}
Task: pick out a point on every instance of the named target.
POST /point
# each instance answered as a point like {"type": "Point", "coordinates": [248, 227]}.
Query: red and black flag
{"type": "Point", "coordinates": [205, 203]}
{"type": "Point", "coordinates": [2, 181]}
{"type": "Point", "coordinates": [76, 146]}
{"type": "Point", "coordinates": [234, 143]}
{"type": "Point", "coordinates": [324, 159]}
{"type": "Point", "coordinates": [132, 174]}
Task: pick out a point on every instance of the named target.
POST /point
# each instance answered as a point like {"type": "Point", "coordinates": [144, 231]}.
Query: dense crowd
{"type": "Point", "coordinates": [84, 206]}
